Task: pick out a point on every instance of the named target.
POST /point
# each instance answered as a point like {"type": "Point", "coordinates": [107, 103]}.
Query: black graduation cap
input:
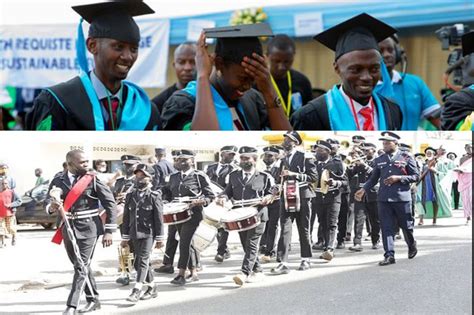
{"type": "Point", "coordinates": [431, 149]}
{"type": "Point", "coordinates": [389, 136]}
{"type": "Point", "coordinates": [229, 148]}
{"type": "Point", "coordinates": [146, 169]}
{"type": "Point", "coordinates": [239, 41]}
{"type": "Point", "coordinates": [323, 144]}
{"type": "Point", "coordinates": [247, 151]}
{"type": "Point", "coordinates": [114, 19]}
{"type": "Point", "coordinates": [129, 159]}
{"type": "Point", "coordinates": [271, 149]}
{"type": "Point", "coordinates": [183, 153]}
{"type": "Point", "coordinates": [362, 32]}
{"type": "Point", "coordinates": [294, 136]}
{"type": "Point", "coordinates": [467, 43]}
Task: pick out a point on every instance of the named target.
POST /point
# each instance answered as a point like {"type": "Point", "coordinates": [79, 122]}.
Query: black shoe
{"type": "Point", "coordinates": [123, 280]}
{"type": "Point", "coordinates": [258, 270]}
{"type": "Point", "coordinates": [387, 261]}
{"type": "Point", "coordinates": [192, 278]}
{"type": "Point", "coordinates": [165, 269]}
{"type": "Point", "coordinates": [281, 269]}
{"type": "Point", "coordinates": [226, 254]}
{"type": "Point", "coordinates": [91, 306]}
{"type": "Point", "coordinates": [179, 280]}
{"type": "Point", "coordinates": [340, 245]}
{"type": "Point", "coordinates": [318, 246]}
{"type": "Point", "coordinates": [219, 258]}
{"type": "Point", "coordinates": [134, 296]}
{"type": "Point", "coordinates": [412, 252]}
{"type": "Point", "coordinates": [69, 311]}
{"type": "Point", "coordinates": [304, 265]}
{"type": "Point", "coordinates": [151, 293]}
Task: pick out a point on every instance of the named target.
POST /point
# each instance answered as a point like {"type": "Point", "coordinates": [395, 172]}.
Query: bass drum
{"type": "Point", "coordinates": [204, 236]}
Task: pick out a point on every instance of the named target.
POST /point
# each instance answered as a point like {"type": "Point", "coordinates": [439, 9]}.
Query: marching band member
{"type": "Point", "coordinates": [188, 182]}
{"type": "Point", "coordinates": [218, 173]}
{"type": "Point", "coordinates": [247, 184]}
{"type": "Point", "coordinates": [328, 203]}
{"type": "Point", "coordinates": [300, 169]}
{"type": "Point", "coordinates": [85, 222]}
{"type": "Point", "coordinates": [143, 225]}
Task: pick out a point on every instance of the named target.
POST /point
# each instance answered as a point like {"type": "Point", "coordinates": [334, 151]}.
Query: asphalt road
{"type": "Point", "coordinates": [437, 281]}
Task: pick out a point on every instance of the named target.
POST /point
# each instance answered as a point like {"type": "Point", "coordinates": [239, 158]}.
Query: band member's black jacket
{"type": "Point", "coordinates": [142, 217]}
{"type": "Point", "coordinates": [358, 175]}
{"type": "Point", "coordinates": [306, 170]}
{"type": "Point", "coordinates": [85, 223]}
{"type": "Point", "coordinates": [336, 172]}
{"type": "Point", "coordinates": [260, 184]}
{"type": "Point", "coordinates": [194, 184]}
{"type": "Point", "coordinates": [122, 186]}
{"type": "Point", "coordinates": [220, 178]}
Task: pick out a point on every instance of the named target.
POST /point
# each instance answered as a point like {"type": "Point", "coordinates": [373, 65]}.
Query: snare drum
{"type": "Point", "coordinates": [204, 236]}
{"type": "Point", "coordinates": [176, 212]}
{"type": "Point", "coordinates": [240, 219]}
{"type": "Point", "coordinates": [213, 214]}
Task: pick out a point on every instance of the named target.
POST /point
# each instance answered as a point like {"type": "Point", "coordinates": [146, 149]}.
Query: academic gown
{"type": "Point", "coordinates": [457, 107]}
{"type": "Point", "coordinates": [76, 111]}
{"type": "Point", "coordinates": [178, 111]}
{"type": "Point", "coordinates": [315, 115]}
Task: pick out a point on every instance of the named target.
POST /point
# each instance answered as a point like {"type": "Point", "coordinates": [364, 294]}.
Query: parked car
{"type": "Point", "coordinates": [32, 209]}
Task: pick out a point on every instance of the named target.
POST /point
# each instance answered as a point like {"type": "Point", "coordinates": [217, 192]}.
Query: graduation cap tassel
{"type": "Point", "coordinates": [81, 49]}
{"type": "Point", "coordinates": [385, 89]}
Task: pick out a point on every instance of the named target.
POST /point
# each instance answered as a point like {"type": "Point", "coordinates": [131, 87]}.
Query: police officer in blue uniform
{"type": "Point", "coordinates": [249, 184]}
{"type": "Point", "coordinates": [218, 173]}
{"type": "Point", "coordinates": [143, 225]}
{"type": "Point", "coordinates": [395, 171]}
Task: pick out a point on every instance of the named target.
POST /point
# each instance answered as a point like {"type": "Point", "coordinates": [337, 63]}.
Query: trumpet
{"type": "Point", "coordinates": [351, 161]}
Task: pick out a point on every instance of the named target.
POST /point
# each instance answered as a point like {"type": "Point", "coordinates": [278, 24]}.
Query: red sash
{"type": "Point", "coordinates": [70, 199]}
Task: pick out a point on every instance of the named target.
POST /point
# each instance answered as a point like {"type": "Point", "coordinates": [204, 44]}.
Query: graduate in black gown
{"type": "Point", "coordinates": [221, 98]}
{"type": "Point", "coordinates": [100, 99]}
{"type": "Point", "coordinates": [459, 106]}
{"type": "Point", "coordinates": [353, 105]}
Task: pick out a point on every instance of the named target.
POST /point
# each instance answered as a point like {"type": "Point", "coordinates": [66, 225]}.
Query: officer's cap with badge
{"type": "Point", "coordinates": [248, 151]}
{"type": "Point", "coordinates": [419, 154]}
{"type": "Point", "coordinates": [333, 141]}
{"type": "Point", "coordinates": [368, 146]}
{"type": "Point", "coordinates": [271, 150]}
{"type": "Point", "coordinates": [358, 139]}
{"type": "Point", "coordinates": [159, 151]}
{"type": "Point", "coordinates": [183, 154]}
{"type": "Point", "coordinates": [389, 136]}
{"type": "Point", "coordinates": [145, 169]}
{"type": "Point", "coordinates": [229, 149]}
{"type": "Point", "coordinates": [405, 147]}
{"type": "Point", "coordinates": [130, 159]}
{"type": "Point", "coordinates": [323, 144]}
{"type": "Point", "coordinates": [294, 136]}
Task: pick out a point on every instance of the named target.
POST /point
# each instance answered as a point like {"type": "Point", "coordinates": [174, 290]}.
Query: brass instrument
{"type": "Point", "coordinates": [325, 175]}
{"type": "Point", "coordinates": [126, 260]}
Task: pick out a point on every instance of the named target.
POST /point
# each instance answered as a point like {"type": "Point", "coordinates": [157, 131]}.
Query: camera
{"type": "Point", "coordinates": [450, 37]}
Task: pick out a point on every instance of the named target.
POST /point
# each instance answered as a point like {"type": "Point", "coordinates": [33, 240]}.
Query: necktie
{"type": "Point", "coordinates": [367, 113]}
{"type": "Point", "coordinates": [223, 169]}
{"type": "Point", "coordinates": [247, 177]}
{"type": "Point", "coordinates": [112, 109]}
{"type": "Point", "coordinates": [74, 180]}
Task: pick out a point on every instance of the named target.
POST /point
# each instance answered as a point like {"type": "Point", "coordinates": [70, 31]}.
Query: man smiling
{"type": "Point", "coordinates": [100, 99]}
{"type": "Point", "coordinates": [353, 105]}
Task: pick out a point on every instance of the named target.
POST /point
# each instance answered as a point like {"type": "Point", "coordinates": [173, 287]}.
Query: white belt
{"type": "Point", "coordinates": [82, 214]}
